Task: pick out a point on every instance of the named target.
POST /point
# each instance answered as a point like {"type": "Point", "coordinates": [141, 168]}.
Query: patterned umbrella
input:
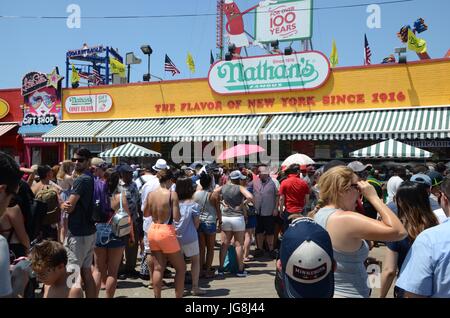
{"type": "Point", "coordinates": [391, 149]}
{"type": "Point", "coordinates": [129, 150]}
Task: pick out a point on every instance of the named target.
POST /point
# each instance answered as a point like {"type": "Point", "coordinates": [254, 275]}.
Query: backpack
{"type": "Point", "coordinates": [49, 196]}
{"type": "Point", "coordinates": [120, 222]}
{"type": "Point", "coordinates": [231, 264]}
{"type": "Point", "coordinates": [100, 200]}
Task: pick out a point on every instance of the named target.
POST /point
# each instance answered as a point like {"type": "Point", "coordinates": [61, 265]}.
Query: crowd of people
{"type": "Point", "coordinates": [88, 222]}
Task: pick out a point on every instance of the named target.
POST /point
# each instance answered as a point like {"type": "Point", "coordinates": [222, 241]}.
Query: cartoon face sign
{"type": "Point", "coordinates": [230, 9]}
{"type": "Point", "coordinates": [41, 102]}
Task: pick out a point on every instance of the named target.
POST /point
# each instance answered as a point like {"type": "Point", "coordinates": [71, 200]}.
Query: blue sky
{"type": "Point", "coordinates": [40, 44]}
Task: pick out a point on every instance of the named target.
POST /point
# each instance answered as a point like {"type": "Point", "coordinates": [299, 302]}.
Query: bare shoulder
{"type": "Point", "coordinates": [75, 292]}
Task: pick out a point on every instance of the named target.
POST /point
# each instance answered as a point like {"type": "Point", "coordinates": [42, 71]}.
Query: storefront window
{"type": "Point", "coordinates": [95, 149]}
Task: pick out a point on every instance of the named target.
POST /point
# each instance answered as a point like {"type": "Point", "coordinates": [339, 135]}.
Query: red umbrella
{"type": "Point", "coordinates": [239, 151]}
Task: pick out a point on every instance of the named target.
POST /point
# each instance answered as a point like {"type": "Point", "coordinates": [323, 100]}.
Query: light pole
{"type": "Point", "coordinates": [147, 50]}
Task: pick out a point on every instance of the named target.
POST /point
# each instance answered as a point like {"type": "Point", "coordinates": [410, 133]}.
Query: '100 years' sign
{"type": "Point", "coordinates": [299, 71]}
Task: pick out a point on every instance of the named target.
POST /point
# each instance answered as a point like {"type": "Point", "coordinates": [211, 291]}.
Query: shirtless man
{"type": "Point", "coordinates": [49, 260]}
{"type": "Point", "coordinates": [45, 174]}
{"type": "Point", "coordinates": [162, 206]}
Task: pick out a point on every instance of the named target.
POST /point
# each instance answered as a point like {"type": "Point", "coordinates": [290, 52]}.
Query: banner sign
{"type": "Point", "coordinates": [99, 103]}
{"type": "Point", "coordinates": [85, 52]}
{"type": "Point", "coordinates": [32, 82]}
{"type": "Point", "coordinates": [42, 102]}
{"type": "Point", "coordinates": [299, 71]}
{"type": "Point", "coordinates": [428, 144]}
{"type": "Point", "coordinates": [284, 21]}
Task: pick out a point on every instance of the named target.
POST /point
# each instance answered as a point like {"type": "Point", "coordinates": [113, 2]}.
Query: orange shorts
{"type": "Point", "coordinates": [162, 237]}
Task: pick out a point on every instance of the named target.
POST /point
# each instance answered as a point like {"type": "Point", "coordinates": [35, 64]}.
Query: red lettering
{"type": "Point", "coordinates": [351, 99]}
{"type": "Point", "coordinates": [310, 100]}
{"type": "Point", "coordinates": [360, 99]}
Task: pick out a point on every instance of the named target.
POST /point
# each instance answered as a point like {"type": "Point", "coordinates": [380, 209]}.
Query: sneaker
{"type": "Point", "coordinates": [273, 254]}
{"type": "Point", "coordinates": [258, 253]}
{"type": "Point", "coordinates": [220, 273]}
{"type": "Point", "coordinates": [242, 273]}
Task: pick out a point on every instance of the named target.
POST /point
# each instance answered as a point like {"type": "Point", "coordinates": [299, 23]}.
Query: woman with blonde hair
{"type": "Point", "coordinates": [414, 210]}
{"type": "Point", "coordinates": [340, 190]}
{"type": "Point", "coordinates": [65, 180]}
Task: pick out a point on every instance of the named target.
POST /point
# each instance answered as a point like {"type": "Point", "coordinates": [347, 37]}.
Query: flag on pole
{"type": "Point", "coordinates": [117, 67]}
{"type": "Point", "coordinates": [190, 63]}
{"type": "Point", "coordinates": [415, 44]}
{"type": "Point", "coordinates": [211, 58]}
{"type": "Point", "coordinates": [334, 59]}
{"type": "Point", "coordinates": [170, 67]}
{"type": "Point", "coordinates": [75, 78]}
{"type": "Point", "coordinates": [97, 78]}
{"type": "Point", "coordinates": [367, 52]}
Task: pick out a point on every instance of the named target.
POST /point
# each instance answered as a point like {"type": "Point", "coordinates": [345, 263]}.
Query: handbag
{"type": "Point", "coordinates": [120, 222]}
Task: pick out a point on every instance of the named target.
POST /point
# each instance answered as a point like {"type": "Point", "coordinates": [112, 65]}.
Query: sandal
{"type": "Point", "coordinates": [198, 292]}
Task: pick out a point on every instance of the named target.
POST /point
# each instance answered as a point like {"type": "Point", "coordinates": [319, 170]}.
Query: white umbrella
{"type": "Point", "coordinates": [297, 158]}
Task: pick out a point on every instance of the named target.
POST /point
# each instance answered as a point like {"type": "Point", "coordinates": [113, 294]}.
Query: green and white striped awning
{"type": "Point", "coordinates": [75, 131]}
{"type": "Point", "coordinates": [129, 150]}
{"type": "Point", "coordinates": [417, 123]}
{"type": "Point", "coordinates": [390, 149]}
{"type": "Point", "coordinates": [228, 128]}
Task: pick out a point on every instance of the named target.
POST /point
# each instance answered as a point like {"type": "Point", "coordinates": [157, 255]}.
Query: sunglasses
{"type": "Point", "coordinates": [78, 159]}
{"type": "Point", "coordinates": [354, 186]}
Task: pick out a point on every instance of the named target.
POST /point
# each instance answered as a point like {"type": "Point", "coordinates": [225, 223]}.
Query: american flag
{"type": "Point", "coordinates": [97, 78]}
{"type": "Point", "coordinates": [170, 67]}
{"type": "Point", "coordinates": [367, 52]}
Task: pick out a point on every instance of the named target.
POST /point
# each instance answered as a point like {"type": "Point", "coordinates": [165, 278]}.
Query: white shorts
{"type": "Point", "coordinates": [190, 249]}
{"type": "Point", "coordinates": [233, 223]}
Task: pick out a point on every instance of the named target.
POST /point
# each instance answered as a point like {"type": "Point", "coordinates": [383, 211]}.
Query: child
{"type": "Point", "coordinates": [49, 260]}
{"type": "Point", "coordinates": [186, 229]}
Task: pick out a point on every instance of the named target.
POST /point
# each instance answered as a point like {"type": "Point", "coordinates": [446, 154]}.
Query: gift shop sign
{"type": "Point", "coordinates": [100, 103]}
{"type": "Point", "coordinates": [299, 71]}
{"type": "Point", "coordinates": [284, 21]}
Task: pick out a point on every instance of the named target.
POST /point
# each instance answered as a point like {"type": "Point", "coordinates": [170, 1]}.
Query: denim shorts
{"type": "Point", "coordinates": [251, 222]}
{"type": "Point", "coordinates": [106, 239]}
{"type": "Point", "coordinates": [207, 228]}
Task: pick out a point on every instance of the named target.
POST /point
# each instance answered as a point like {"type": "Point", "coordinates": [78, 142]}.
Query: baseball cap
{"type": "Point", "coordinates": [236, 174]}
{"type": "Point", "coordinates": [98, 162]}
{"type": "Point", "coordinates": [332, 164]}
{"type": "Point", "coordinates": [160, 164]}
{"type": "Point", "coordinates": [436, 178]}
{"type": "Point", "coordinates": [306, 256]}
{"type": "Point", "coordinates": [125, 168]}
{"type": "Point", "coordinates": [357, 166]}
{"type": "Point", "coordinates": [421, 178]}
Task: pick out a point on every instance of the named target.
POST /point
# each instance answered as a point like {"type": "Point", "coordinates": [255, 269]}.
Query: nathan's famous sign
{"type": "Point", "coordinates": [299, 71]}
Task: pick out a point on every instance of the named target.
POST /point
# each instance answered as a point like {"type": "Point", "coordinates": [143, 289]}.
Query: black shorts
{"type": "Point", "coordinates": [265, 224]}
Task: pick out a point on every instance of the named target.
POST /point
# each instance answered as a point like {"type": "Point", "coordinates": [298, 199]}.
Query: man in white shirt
{"type": "Point", "coordinates": [394, 182]}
